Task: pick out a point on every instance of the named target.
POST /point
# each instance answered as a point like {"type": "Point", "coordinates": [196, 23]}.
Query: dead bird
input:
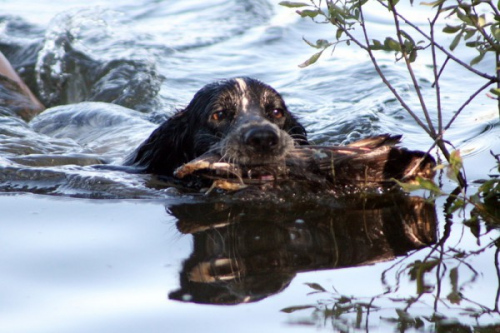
{"type": "Point", "coordinates": [370, 163]}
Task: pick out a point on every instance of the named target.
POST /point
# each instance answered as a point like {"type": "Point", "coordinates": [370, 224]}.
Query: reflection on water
{"type": "Point", "coordinates": [246, 252]}
{"type": "Point", "coordinates": [146, 58]}
{"type": "Point", "coordinates": [447, 292]}
{"type": "Point", "coordinates": [142, 60]}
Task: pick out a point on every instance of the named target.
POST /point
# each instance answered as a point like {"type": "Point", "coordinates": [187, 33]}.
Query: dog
{"type": "Point", "coordinates": [243, 120]}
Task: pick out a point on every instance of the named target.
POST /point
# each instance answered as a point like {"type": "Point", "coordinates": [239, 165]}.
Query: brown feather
{"type": "Point", "coordinates": [366, 163]}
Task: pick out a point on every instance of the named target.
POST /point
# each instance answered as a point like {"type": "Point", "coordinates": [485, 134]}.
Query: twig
{"type": "Point", "coordinates": [467, 102]}
{"type": "Point", "coordinates": [444, 50]}
{"type": "Point", "coordinates": [436, 74]}
{"type": "Point", "coordinates": [494, 8]}
{"type": "Point", "coordinates": [412, 74]}
{"type": "Point", "coordinates": [441, 70]}
{"type": "Point", "coordinates": [381, 74]}
{"type": "Point", "coordinates": [492, 44]}
{"type": "Point", "coordinates": [437, 137]}
{"type": "Point", "coordinates": [490, 41]}
{"type": "Point", "coordinates": [497, 298]}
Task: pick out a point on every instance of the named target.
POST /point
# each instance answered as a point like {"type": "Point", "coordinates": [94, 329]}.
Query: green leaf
{"type": "Point", "coordinates": [495, 91]}
{"type": "Point", "coordinates": [291, 309]}
{"type": "Point", "coordinates": [322, 43]}
{"type": "Point", "coordinates": [433, 3]}
{"type": "Point", "coordinates": [454, 297]}
{"type": "Point", "coordinates": [316, 286]}
{"type": "Point", "coordinates": [469, 33]}
{"type": "Point", "coordinates": [418, 271]}
{"type": "Point", "coordinates": [457, 204]}
{"type": "Point", "coordinates": [311, 60]}
{"type": "Point", "coordinates": [455, 164]}
{"type": "Point", "coordinates": [451, 29]}
{"type": "Point", "coordinates": [344, 300]}
{"type": "Point", "coordinates": [419, 323]}
{"type": "Point", "coordinates": [402, 314]}
{"type": "Point", "coordinates": [495, 31]}
{"type": "Point", "coordinates": [339, 33]}
{"type": "Point", "coordinates": [473, 44]}
{"type": "Point", "coordinates": [392, 3]}
{"type": "Point", "coordinates": [456, 40]}
{"type": "Point", "coordinates": [464, 17]}
{"type": "Point", "coordinates": [337, 12]}
{"type": "Point", "coordinates": [456, 159]}
{"type": "Point", "coordinates": [308, 13]}
{"type": "Point", "coordinates": [356, 14]}
{"type": "Point", "coordinates": [377, 45]}
{"type": "Point", "coordinates": [392, 44]}
{"type": "Point", "coordinates": [428, 184]}
{"type": "Point", "coordinates": [407, 37]}
{"type": "Point", "coordinates": [481, 21]}
{"type": "Point", "coordinates": [311, 44]}
{"type": "Point", "coordinates": [477, 59]}
{"type": "Point", "coordinates": [488, 184]}
{"type": "Point", "coordinates": [419, 184]}
{"type": "Point", "coordinates": [407, 187]}
{"type": "Point", "coordinates": [413, 55]}
{"type": "Point", "coordinates": [292, 4]}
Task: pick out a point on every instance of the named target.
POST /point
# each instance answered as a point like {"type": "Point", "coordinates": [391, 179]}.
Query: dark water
{"type": "Point", "coordinates": [86, 249]}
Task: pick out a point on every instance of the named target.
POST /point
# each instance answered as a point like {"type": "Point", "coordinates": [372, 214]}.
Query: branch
{"type": "Point", "coordinates": [471, 97]}
{"type": "Point", "coordinates": [436, 74]}
{"type": "Point", "coordinates": [442, 49]}
{"type": "Point", "coordinates": [412, 74]}
{"type": "Point", "coordinates": [494, 8]}
{"type": "Point", "coordinates": [497, 297]}
{"type": "Point", "coordinates": [381, 74]}
{"type": "Point", "coordinates": [441, 70]}
{"type": "Point", "coordinates": [483, 33]}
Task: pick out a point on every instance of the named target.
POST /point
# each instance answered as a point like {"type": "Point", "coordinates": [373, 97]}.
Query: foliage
{"type": "Point", "coordinates": [478, 30]}
{"type": "Point", "coordinates": [442, 279]}
{"type": "Point", "coordinates": [476, 24]}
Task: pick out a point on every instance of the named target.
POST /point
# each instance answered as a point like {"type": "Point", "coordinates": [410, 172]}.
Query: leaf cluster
{"type": "Point", "coordinates": [475, 28]}
{"type": "Point", "coordinates": [485, 202]}
{"type": "Point", "coordinates": [478, 27]}
{"type": "Point", "coordinates": [346, 313]}
{"type": "Point", "coordinates": [344, 15]}
{"type": "Point", "coordinates": [338, 308]}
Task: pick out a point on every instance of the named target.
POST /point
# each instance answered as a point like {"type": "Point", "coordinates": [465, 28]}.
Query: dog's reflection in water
{"type": "Point", "coordinates": [244, 252]}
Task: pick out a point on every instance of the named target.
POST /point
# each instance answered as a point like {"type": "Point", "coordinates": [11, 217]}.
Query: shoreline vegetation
{"type": "Point", "coordinates": [478, 28]}
{"type": "Point", "coordinates": [476, 203]}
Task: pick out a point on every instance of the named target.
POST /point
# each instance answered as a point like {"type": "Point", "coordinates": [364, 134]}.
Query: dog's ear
{"type": "Point", "coordinates": [168, 147]}
{"type": "Point", "coordinates": [296, 130]}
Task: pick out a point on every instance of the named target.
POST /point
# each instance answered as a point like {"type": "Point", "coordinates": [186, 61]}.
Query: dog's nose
{"type": "Point", "coordinates": [262, 139]}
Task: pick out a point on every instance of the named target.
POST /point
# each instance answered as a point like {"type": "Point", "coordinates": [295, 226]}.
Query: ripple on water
{"type": "Point", "coordinates": [108, 265]}
{"type": "Point", "coordinates": [122, 55]}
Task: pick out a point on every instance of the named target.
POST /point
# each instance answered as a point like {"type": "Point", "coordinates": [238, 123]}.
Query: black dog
{"type": "Point", "coordinates": [242, 119]}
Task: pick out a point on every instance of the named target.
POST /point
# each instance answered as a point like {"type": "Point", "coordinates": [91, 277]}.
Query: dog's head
{"type": "Point", "coordinates": [242, 119]}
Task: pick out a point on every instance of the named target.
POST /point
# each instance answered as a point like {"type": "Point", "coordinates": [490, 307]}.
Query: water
{"type": "Point", "coordinates": [86, 249]}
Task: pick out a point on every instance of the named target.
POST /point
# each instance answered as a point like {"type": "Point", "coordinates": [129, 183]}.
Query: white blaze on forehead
{"type": "Point", "coordinates": [244, 94]}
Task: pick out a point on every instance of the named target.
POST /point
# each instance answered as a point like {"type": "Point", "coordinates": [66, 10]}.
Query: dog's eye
{"type": "Point", "coordinates": [277, 113]}
{"type": "Point", "coordinates": [219, 115]}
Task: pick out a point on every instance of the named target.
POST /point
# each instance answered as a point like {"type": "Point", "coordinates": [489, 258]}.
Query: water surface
{"type": "Point", "coordinates": [86, 249]}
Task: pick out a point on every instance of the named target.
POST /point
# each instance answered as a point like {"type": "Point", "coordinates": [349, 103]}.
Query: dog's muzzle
{"type": "Point", "coordinates": [261, 139]}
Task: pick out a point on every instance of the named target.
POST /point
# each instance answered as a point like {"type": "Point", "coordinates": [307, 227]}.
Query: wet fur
{"type": "Point", "coordinates": [244, 105]}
